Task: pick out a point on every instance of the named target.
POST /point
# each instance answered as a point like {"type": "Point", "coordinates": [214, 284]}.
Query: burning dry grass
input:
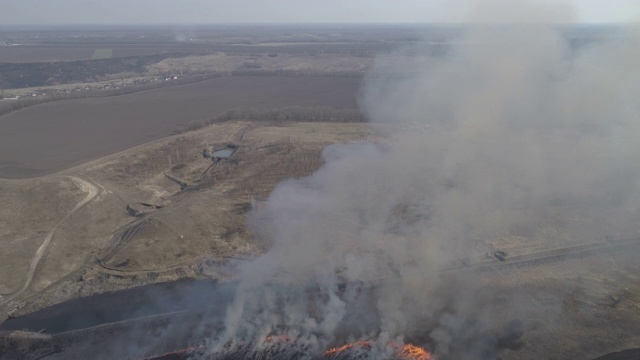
{"type": "Point", "coordinates": [402, 351]}
{"type": "Point", "coordinates": [413, 352]}
{"type": "Point", "coordinates": [360, 344]}
{"type": "Point", "coordinates": [278, 339]}
{"type": "Point", "coordinates": [277, 344]}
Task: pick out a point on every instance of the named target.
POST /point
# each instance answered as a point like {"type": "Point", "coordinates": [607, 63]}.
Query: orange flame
{"type": "Point", "coordinates": [278, 339]}
{"type": "Point", "coordinates": [405, 352]}
{"type": "Point", "coordinates": [412, 352]}
{"type": "Point", "coordinates": [337, 350]}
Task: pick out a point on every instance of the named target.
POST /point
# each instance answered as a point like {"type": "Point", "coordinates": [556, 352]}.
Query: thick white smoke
{"type": "Point", "coordinates": [512, 133]}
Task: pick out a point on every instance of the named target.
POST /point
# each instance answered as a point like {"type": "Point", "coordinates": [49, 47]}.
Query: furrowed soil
{"type": "Point", "coordinates": [51, 137]}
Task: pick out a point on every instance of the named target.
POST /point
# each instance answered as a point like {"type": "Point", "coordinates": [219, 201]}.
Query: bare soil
{"type": "Point", "coordinates": [50, 137]}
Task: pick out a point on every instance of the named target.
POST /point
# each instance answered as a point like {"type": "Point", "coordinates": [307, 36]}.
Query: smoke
{"type": "Point", "coordinates": [522, 12]}
{"type": "Point", "coordinates": [514, 134]}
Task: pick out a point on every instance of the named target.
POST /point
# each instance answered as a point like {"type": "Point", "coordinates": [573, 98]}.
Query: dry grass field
{"type": "Point", "coordinates": [29, 210]}
{"type": "Point", "coordinates": [50, 137]}
{"type": "Point", "coordinates": [102, 247]}
{"type": "Point", "coordinates": [186, 233]}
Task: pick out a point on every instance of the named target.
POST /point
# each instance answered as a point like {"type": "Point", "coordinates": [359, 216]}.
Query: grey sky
{"type": "Point", "coordinates": [270, 11]}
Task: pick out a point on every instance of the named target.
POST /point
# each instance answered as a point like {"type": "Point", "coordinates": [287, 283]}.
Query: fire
{"type": "Point", "coordinates": [337, 350]}
{"type": "Point", "coordinates": [405, 352]}
{"type": "Point", "coordinates": [412, 352]}
{"type": "Point", "coordinates": [278, 339]}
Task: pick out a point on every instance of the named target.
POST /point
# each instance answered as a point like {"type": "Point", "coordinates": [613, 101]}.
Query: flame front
{"type": "Point", "coordinates": [337, 350]}
{"type": "Point", "coordinates": [405, 352]}
{"type": "Point", "coordinates": [412, 352]}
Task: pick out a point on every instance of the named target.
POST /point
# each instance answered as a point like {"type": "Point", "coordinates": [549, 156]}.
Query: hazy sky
{"type": "Point", "coordinates": [269, 11]}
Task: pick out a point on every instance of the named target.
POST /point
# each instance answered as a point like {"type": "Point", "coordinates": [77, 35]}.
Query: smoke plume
{"type": "Point", "coordinates": [514, 133]}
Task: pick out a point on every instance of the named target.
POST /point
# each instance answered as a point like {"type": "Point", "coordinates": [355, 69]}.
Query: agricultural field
{"type": "Point", "coordinates": [44, 53]}
{"type": "Point", "coordinates": [72, 52]}
{"type": "Point", "coordinates": [51, 137]}
{"type": "Point", "coordinates": [102, 54]}
{"type": "Point", "coordinates": [66, 44]}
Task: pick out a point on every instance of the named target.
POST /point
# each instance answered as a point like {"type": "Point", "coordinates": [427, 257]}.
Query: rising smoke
{"type": "Point", "coordinates": [513, 134]}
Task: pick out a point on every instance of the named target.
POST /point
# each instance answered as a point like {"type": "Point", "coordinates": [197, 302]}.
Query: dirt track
{"type": "Point", "coordinates": [51, 137]}
{"type": "Point", "coordinates": [92, 191]}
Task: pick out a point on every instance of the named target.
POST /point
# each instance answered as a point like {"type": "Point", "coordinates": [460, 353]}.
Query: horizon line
{"type": "Point", "coordinates": [453, 24]}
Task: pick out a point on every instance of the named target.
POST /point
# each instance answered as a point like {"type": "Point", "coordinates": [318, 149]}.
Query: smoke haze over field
{"type": "Point", "coordinates": [513, 133]}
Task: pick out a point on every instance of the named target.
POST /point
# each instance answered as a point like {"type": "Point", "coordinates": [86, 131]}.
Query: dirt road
{"type": "Point", "coordinates": [92, 191]}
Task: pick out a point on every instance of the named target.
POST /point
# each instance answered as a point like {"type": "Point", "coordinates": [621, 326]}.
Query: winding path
{"type": "Point", "coordinates": [92, 191]}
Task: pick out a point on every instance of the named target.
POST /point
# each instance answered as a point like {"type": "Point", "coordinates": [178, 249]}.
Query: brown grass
{"type": "Point", "coordinates": [208, 218]}
{"type": "Point", "coordinates": [29, 209]}
{"type": "Point", "coordinates": [204, 222]}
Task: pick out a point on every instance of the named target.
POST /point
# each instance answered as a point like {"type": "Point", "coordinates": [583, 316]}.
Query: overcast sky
{"type": "Point", "coordinates": [278, 11]}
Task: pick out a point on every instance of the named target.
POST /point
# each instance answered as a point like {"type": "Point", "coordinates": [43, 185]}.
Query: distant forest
{"type": "Point", "coordinates": [21, 75]}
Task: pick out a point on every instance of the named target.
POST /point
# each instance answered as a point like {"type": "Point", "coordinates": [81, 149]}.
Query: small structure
{"type": "Point", "coordinates": [132, 211]}
{"type": "Point", "coordinates": [500, 255]}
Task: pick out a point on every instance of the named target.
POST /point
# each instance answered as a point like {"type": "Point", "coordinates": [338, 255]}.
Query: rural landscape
{"type": "Point", "coordinates": [319, 192]}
